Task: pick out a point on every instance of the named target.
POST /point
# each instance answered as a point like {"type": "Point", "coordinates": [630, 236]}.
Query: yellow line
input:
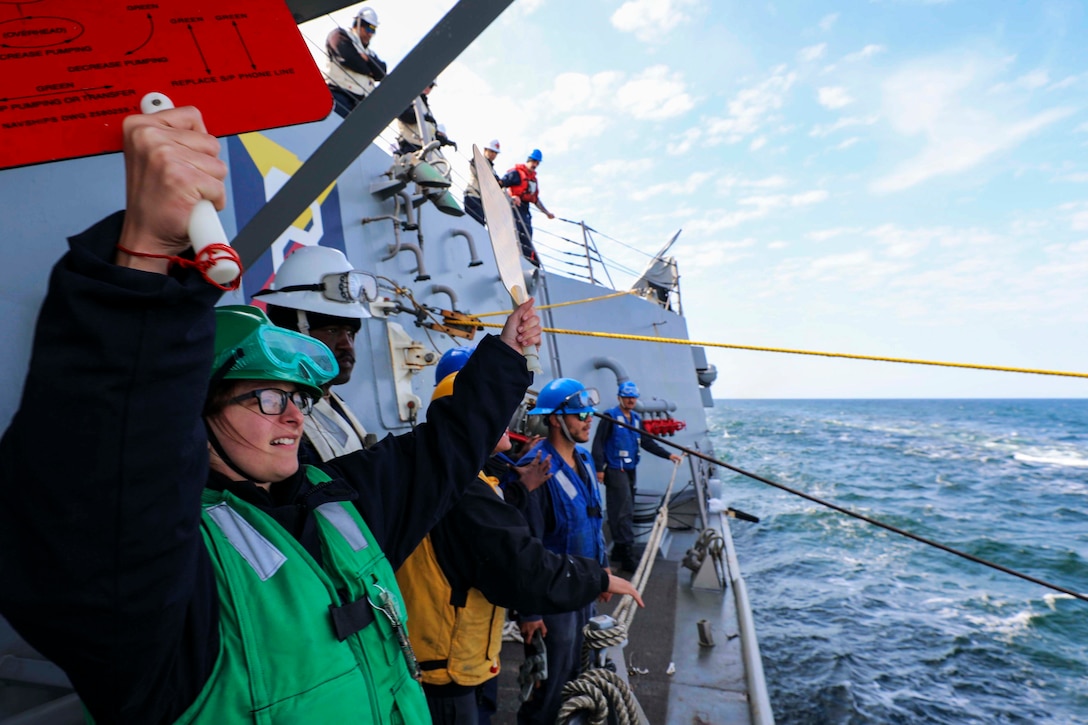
{"type": "Point", "coordinates": [563, 304]}
{"type": "Point", "coordinates": [673, 341]}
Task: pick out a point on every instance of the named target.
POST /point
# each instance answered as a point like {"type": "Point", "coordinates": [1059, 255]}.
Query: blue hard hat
{"type": "Point", "coordinates": [451, 362]}
{"type": "Point", "coordinates": [565, 395]}
{"type": "Point", "coordinates": [628, 389]}
{"type": "Point", "coordinates": [536, 155]}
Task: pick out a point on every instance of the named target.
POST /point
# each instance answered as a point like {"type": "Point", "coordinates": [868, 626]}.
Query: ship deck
{"type": "Point", "coordinates": [709, 684]}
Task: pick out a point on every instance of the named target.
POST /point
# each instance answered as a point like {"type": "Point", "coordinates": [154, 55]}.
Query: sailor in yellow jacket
{"type": "Point", "coordinates": [479, 558]}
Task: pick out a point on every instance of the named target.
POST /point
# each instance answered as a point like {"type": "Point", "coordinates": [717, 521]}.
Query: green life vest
{"type": "Point", "coordinates": [289, 652]}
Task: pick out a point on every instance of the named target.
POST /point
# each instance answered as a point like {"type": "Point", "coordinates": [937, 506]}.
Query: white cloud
{"type": "Point", "coordinates": [823, 235]}
{"type": "Point", "coordinates": [847, 143]}
{"type": "Point", "coordinates": [1078, 215]}
{"type": "Point", "coordinates": [727, 183]}
{"type": "Point", "coordinates": [812, 52]}
{"type": "Point", "coordinates": [655, 94]}
{"type": "Point", "coordinates": [757, 143]}
{"type": "Point", "coordinates": [620, 168]}
{"type": "Point", "coordinates": [827, 21]}
{"type": "Point", "coordinates": [750, 108]}
{"type": "Point", "coordinates": [650, 20]}
{"type": "Point", "coordinates": [940, 99]}
{"type": "Point", "coordinates": [820, 131]}
{"type": "Point", "coordinates": [833, 97]}
{"type": "Point", "coordinates": [1028, 82]}
{"type": "Point", "coordinates": [754, 207]}
{"type": "Point", "coordinates": [572, 131]}
{"type": "Point", "coordinates": [683, 142]}
{"type": "Point", "coordinates": [867, 52]}
{"type": "Point", "coordinates": [691, 185]}
{"type": "Point", "coordinates": [1064, 83]}
{"type": "Point", "coordinates": [579, 91]}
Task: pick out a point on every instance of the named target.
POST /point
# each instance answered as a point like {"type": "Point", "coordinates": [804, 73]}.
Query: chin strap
{"type": "Point", "coordinates": [565, 429]}
{"type": "Point", "coordinates": [303, 322]}
{"type": "Point", "coordinates": [214, 440]}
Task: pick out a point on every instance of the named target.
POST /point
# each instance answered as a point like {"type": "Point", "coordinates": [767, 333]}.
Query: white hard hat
{"type": "Point", "coordinates": [321, 279]}
{"type": "Point", "coordinates": [367, 15]}
{"type": "Point", "coordinates": [493, 145]}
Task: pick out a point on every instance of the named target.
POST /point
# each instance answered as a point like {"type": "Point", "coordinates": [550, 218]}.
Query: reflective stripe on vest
{"type": "Point", "coordinates": [265, 558]}
{"type": "Point", "coordinates": [333, 433]}
{"type": "Point", "coordinates": [335, 513]}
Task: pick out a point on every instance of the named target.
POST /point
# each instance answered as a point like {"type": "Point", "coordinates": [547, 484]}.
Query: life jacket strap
{"type": "Point", "coordinates": [351, 618]}
{"type": "Point", "coordinates": [434, 665]}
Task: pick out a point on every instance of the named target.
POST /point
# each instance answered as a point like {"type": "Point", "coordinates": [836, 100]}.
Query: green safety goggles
{"type": "Point", "coordinates": [249, 347]}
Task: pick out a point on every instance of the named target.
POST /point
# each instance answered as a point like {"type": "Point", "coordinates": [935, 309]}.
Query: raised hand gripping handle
{"type": "Point", "coordinates": [532, 360]}
{"type": "Point", "coordinates": [204, 226]}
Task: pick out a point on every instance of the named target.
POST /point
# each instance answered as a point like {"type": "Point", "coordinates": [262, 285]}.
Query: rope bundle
{"type": "Point", "coordinates": [598, 693]}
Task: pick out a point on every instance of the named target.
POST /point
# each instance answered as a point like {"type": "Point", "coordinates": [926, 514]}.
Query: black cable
{"type": "Point", "coordinates": [861, 517]}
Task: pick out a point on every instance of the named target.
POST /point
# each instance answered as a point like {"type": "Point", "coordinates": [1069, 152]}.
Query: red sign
{"type": "Point", "coordinates": [71, 70]}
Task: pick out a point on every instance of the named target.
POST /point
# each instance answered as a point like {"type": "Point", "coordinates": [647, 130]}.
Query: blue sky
{"type": "Point", "coordinates": [899, 178]}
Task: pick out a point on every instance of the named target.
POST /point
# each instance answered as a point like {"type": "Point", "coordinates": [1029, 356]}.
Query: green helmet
{"type": "Point", "coordinates": [249, 347]}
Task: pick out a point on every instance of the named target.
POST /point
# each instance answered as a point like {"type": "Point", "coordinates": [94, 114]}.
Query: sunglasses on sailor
{"type": "Point", "coordinates": [583, 416]}
{"type": "Point", "coordinates": [273, 401]}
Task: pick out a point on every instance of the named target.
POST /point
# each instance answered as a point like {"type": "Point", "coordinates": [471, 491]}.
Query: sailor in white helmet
{"type": "Point", "coordinates": [317, 292]}
{"type": "Point", "coordinates": [473, 205]}
{"type": "Point", "coordinates": [354, 69]}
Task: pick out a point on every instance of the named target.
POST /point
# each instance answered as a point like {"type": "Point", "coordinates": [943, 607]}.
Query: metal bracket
{"type": "Point", "coordinates": [456, 324]}
{"type": "Point", "coordinates": [408, 357]}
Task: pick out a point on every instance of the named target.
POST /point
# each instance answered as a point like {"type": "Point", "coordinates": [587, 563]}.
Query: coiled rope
{"type": "Point", "coordinates": [598, 693]}
{"type": "Point", "coordinates": [711, 543]}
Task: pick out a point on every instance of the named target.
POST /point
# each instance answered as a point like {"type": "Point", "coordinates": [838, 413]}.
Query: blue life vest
{"type": "Point", "coordinates": [576, 503]}
{"type": "Point", "coordinates": [621, 448]}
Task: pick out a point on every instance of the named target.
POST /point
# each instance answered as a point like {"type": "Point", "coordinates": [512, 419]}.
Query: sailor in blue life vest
{"type": "Point", "coordinates": [615, 454]}
{"type": "Point", "coordinates": [566, 513]}
{"type": "Point", "coordinates": [354, 69]}
{"type": "Point", "coordinates": [177, 562]}
{"type": "Point", "coordinates": [524, 190]}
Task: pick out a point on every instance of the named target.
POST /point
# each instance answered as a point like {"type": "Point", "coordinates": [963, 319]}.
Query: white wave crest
{"type": "Point", "coordinates": [1069, 460]}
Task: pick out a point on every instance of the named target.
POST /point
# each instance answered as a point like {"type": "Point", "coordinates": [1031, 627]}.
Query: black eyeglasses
{"type": "Point", "coordinates": [273, 401]}
{"type": "Point", "coordinates": [583, 415]}
{"type": "Point", "coordinates": [335, 331]}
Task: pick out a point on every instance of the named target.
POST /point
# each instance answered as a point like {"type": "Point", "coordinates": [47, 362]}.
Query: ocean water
{"type": "Point", "coordinates": [860, 625]}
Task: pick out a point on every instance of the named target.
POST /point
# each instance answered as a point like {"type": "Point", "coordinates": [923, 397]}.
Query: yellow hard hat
{"type": "Point", "coordinates": [444, 387]}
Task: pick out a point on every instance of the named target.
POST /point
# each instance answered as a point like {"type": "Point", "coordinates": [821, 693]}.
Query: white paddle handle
{"type": "Point", "coordinates": [532, 360]}
{"type": "Point", "coordinates": [204, 225]}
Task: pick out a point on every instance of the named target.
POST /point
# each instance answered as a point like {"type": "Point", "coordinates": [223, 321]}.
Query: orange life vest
{"type": "Point", "coordinates": [526, 189]}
